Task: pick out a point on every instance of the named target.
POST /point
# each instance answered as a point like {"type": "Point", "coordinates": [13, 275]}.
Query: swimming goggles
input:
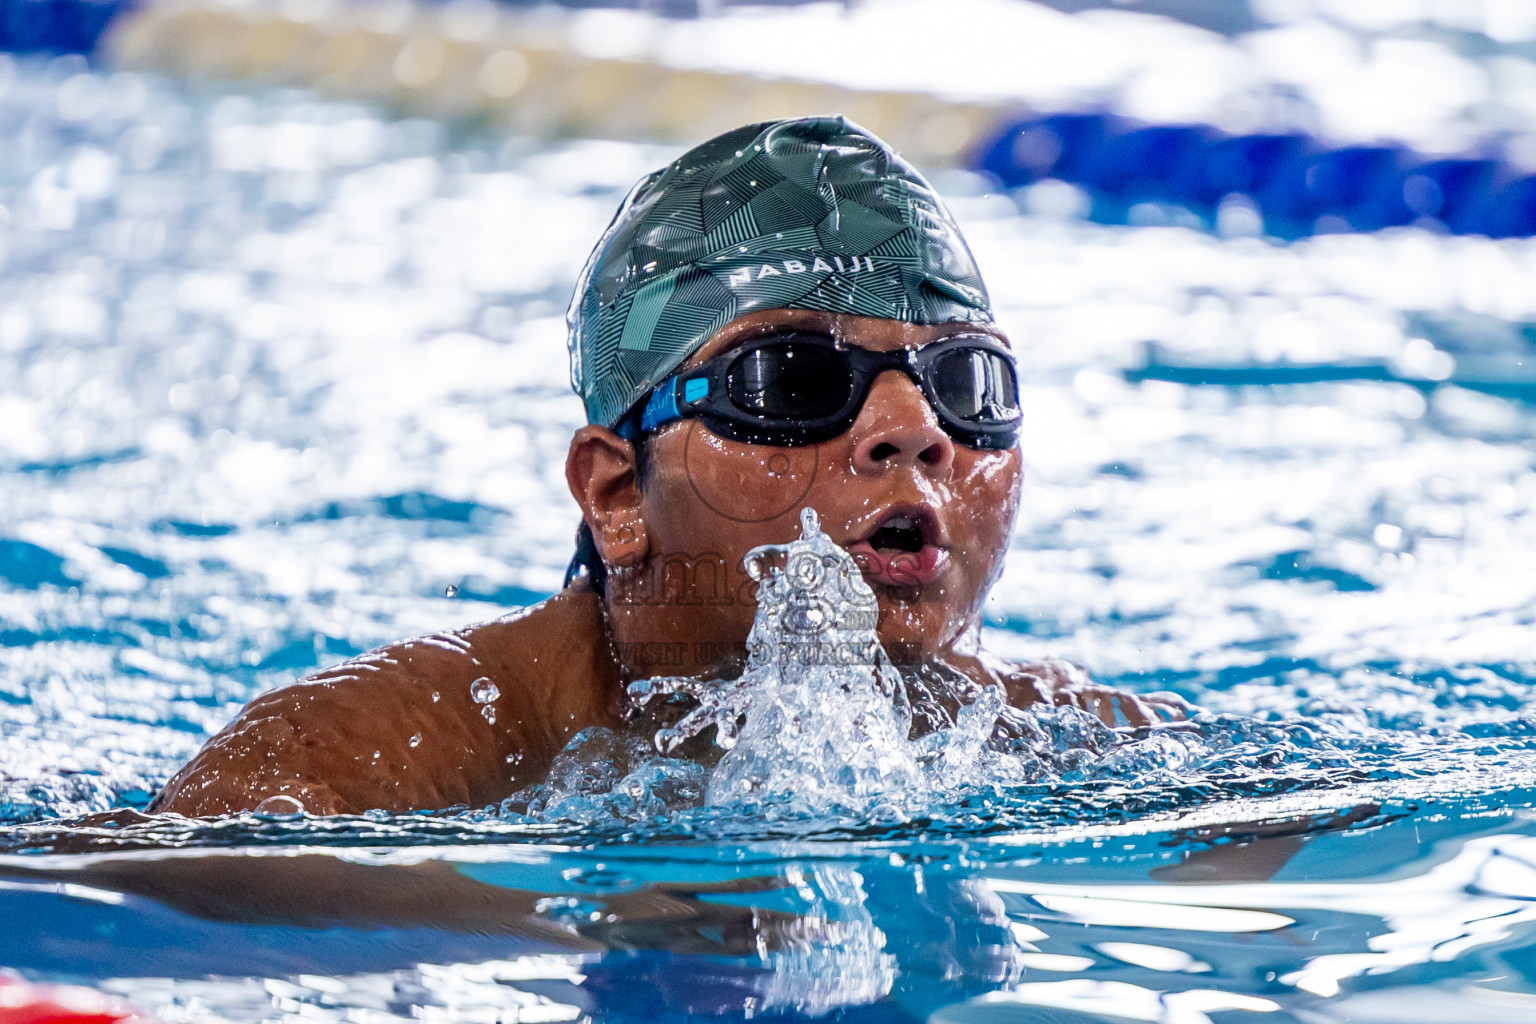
{"type": "Point", "coordinates": [798, 388]}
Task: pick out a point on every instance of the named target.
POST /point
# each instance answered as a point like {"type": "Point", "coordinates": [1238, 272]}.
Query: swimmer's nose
{"type": "Point", "coordinates": [897, 427]}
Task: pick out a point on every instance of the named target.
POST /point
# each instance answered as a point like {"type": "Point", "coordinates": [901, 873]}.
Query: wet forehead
{"type": "Point", "coordinates": [874, 333]}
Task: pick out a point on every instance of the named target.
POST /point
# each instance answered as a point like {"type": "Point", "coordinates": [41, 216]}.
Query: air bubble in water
{"type": "Point", "coordinates": [483, 691]}
{"type": "Point", "coordinates": [568, 910]}
{"type": "Point", "coordinates": [452, 590]}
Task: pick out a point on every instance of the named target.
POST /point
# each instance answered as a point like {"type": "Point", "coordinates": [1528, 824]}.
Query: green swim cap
{"type": "Point", "coordinates": [807, 213]}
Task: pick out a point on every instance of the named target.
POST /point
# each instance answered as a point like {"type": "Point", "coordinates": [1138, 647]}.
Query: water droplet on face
{"type": "Point", "coordinates": [483, 691]}
{"type": "Point", "coordinates": [489, 713]}
{"type": "Point", "coordinates": [452, 590]}
{"type": "Point", "coordinates": [516, 757]}
{"type": "Point", "coordinates": [376, 754]}
{"type": "Point", "coordinates": [416, 740]}
{"type": "Point", "coordinates": [436, 696]}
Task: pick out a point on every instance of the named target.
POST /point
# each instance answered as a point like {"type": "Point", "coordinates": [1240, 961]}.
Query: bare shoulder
{"type": "Point", "coordinates": [459, 717]}
{"type": "Point", "coordinates": [1059, 682]}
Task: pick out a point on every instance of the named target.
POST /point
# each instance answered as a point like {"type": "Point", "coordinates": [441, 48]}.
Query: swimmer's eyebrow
{"type": "Point", "coordinates": [815, 321]}
{"type": "Point", "coordinates": [771, 330]}
{"type": "Point", "coordinates": [962, 328]}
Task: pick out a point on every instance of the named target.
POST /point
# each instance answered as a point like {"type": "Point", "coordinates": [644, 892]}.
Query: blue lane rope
{"type": "Point", "coordinates": [1298, 184]}
{"type": "Point", "coordinates": [56, 26]}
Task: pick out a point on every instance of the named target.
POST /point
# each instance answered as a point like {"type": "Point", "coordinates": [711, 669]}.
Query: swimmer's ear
{"type": "Point", "coordinates": [602, 471]}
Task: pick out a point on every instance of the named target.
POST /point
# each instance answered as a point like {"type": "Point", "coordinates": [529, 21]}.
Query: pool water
{"type": "Point", "coordinates": [282, 380]}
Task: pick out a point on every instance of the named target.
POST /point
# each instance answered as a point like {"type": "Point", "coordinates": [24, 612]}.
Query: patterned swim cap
{"type": "Point", "coordinates": [807, 213]}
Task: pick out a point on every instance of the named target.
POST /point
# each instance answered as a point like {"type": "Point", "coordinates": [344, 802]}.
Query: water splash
{"type": "Point", "coordinates": [820, 723]}
{"type": "Point", "coordinates": [826, 715]}
{"type": "Point", "coordinates": [820, 716]}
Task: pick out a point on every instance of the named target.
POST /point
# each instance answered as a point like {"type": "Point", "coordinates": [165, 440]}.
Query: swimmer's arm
{"type": "Point", "coordinates": [343, 738]}
{"type": "Point", "coordinates": [341, 742]}
{"type": "Point", "coordinates": [257, 756]}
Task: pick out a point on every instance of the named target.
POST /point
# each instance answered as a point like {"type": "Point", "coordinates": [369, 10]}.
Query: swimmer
{"type": "Point", "coordinates": [786, 316]}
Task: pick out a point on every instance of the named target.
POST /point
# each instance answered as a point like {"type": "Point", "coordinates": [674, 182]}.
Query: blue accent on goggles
{"type": "Point", "coordinates": [662, 407]}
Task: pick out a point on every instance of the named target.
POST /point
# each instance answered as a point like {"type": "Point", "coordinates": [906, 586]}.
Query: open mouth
{"type": "Point", "coordinates": [903, 550]}
{"type": "Point", "coordinates": [898, 534]}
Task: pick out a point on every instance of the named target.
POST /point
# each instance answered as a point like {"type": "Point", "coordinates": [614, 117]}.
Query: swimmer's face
{"type": "Point", "coordinates": [927, 517]}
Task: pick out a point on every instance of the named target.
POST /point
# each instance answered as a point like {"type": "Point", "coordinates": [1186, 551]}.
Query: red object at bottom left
{"type": "Point", "coordinates": [22, 1002]}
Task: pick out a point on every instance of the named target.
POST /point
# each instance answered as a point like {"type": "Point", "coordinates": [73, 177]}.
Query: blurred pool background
{"type": "Point", "coordinates": [282, 365]}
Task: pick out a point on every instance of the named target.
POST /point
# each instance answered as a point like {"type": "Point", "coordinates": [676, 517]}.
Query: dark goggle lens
{"type": "Point", "coordinates": [790, 381]}
{"type": "Point", "coordinates": [976, 386]}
